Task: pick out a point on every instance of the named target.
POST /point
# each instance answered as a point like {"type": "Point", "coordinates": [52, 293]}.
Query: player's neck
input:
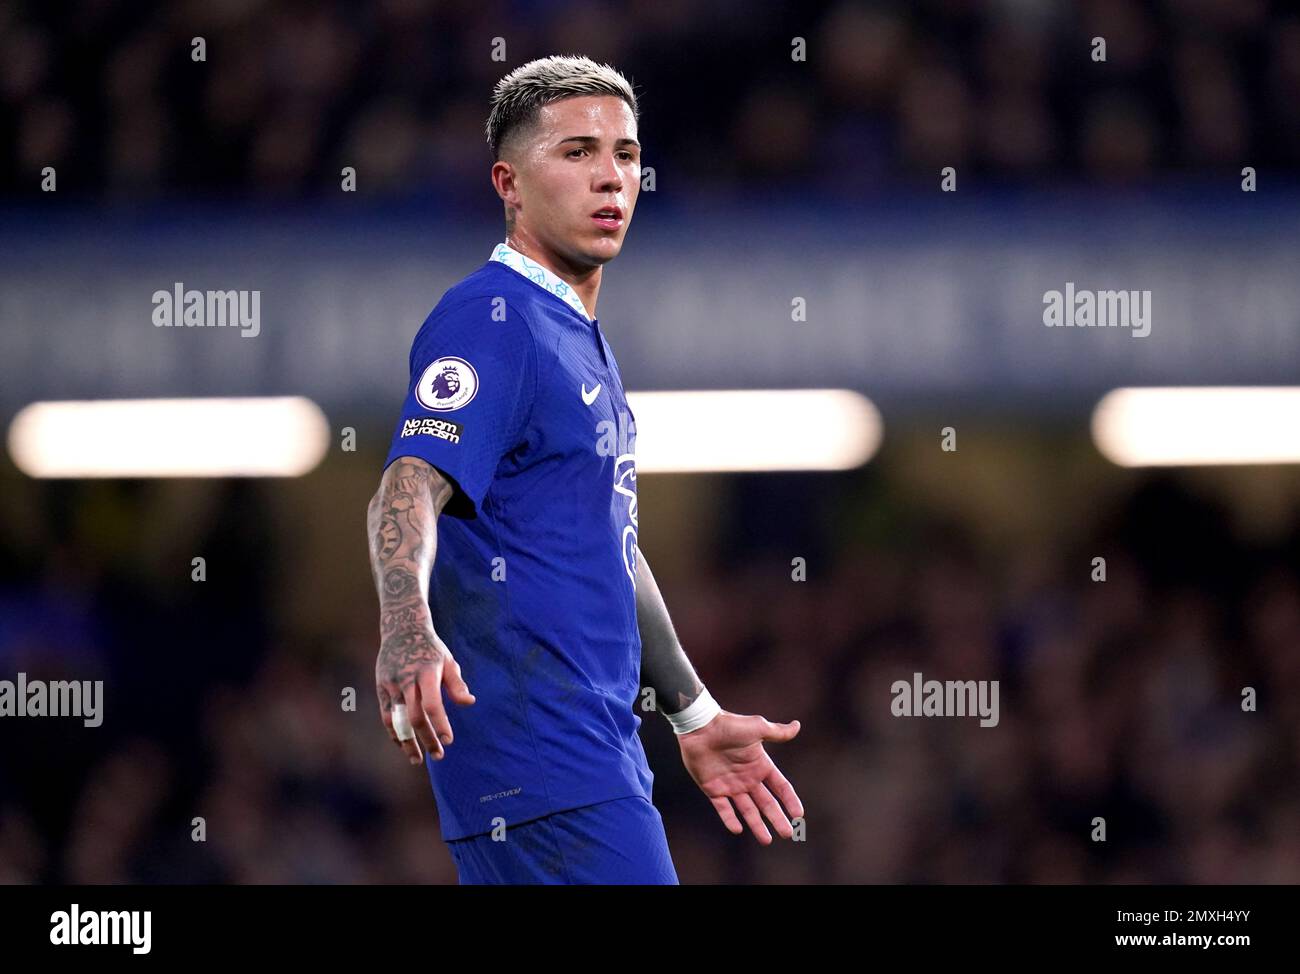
{"type": "Point", "coordinates": [585, 281]}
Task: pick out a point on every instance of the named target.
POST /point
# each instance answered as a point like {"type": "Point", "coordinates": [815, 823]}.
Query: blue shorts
{"type": "Point", "coordinates": [617, 842]}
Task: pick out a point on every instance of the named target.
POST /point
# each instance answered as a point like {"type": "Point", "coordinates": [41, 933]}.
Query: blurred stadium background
{"type": "Point", "coordinates": [775, 179]}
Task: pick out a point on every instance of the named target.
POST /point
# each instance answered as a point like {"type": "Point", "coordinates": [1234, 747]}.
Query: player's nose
{"type": "Point", "coordinates": [608, 176]}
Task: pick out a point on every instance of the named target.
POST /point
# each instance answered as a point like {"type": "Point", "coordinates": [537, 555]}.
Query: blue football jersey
{"type": "Point", "coordinates": [515, 396]}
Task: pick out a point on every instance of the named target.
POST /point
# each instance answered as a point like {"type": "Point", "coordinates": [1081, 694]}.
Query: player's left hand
{"type": "Point", "coordinates": [727, 760]}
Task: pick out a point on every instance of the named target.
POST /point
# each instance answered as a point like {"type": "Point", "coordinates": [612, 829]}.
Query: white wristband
{"type": "Point", "coordinates": [703, 710]}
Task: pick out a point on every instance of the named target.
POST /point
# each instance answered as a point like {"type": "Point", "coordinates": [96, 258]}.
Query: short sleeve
{"type": "Point", "coordinates": [473, 379]}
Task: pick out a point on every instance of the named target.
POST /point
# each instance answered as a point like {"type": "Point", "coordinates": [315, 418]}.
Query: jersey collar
{"type": "Point", "coordinates": [538, 274]}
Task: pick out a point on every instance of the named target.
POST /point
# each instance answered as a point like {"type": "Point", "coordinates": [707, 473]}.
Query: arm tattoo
{"type": "Point", "coordinates": [401, 523]}
{"type": "Point", "coordinates": [664, 665]}
{"type": "Point", "coordinates": [400, 585]}
{"type": "Point", "coordinates": [388, 537]}
{"type": "Point", "coordinates": [395, 620]}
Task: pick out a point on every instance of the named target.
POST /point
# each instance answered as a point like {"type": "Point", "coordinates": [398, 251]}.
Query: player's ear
{"type": "Point", "coordinates": [503, 181]}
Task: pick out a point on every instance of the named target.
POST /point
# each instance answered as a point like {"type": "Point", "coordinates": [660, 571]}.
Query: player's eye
{"type": "Point", "coordinates": [572, 151]}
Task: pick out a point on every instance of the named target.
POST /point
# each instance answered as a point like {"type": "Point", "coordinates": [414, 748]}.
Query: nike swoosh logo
{"type": "Point", "coordinates": [590, 397]}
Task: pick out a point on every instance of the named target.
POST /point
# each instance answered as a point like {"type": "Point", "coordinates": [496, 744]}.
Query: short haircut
{"type": "Point", "coordinates": [519, 96]}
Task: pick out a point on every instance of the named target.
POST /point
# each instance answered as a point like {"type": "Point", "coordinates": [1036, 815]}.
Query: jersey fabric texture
{"type": "Point", "coordinates": [619, 842]}
{"type": "Point", "coordinates": [516, 398]}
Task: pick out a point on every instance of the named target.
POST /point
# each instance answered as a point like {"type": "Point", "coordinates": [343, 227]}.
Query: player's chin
{"type": "Point", "coordinates": [605, 248]}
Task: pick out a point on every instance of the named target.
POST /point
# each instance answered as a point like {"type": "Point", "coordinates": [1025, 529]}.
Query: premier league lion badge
{"type": "Point", "coordinates": [447, 384]}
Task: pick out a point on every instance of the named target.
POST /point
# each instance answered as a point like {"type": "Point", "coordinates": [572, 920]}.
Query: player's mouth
{"type": "Point", "coordinates": [608, 217]}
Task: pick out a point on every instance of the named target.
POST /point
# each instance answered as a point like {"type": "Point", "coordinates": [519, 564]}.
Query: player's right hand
{"type": "Point", "coordinates": [412, 668]}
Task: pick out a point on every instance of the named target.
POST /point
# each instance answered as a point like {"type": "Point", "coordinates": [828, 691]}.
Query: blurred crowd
{"type": "Point", "coordinates": [1119, 699]}
{"type": "Point", "coordinates": [224, 714]}
{"type": "Point", "coordinates": [289, 93]}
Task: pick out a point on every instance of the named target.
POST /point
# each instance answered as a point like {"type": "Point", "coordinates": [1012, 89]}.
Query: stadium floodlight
{"type": "Point", "coordinates": [753, 430]}
{"type": "Point", "coordinates": [1198, 425]}
{"type": "Point", "coordinates": [283, 436]}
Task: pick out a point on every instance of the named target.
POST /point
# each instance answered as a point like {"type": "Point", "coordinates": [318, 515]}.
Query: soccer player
{"type": "Point", "coordinates": [505, 529]}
